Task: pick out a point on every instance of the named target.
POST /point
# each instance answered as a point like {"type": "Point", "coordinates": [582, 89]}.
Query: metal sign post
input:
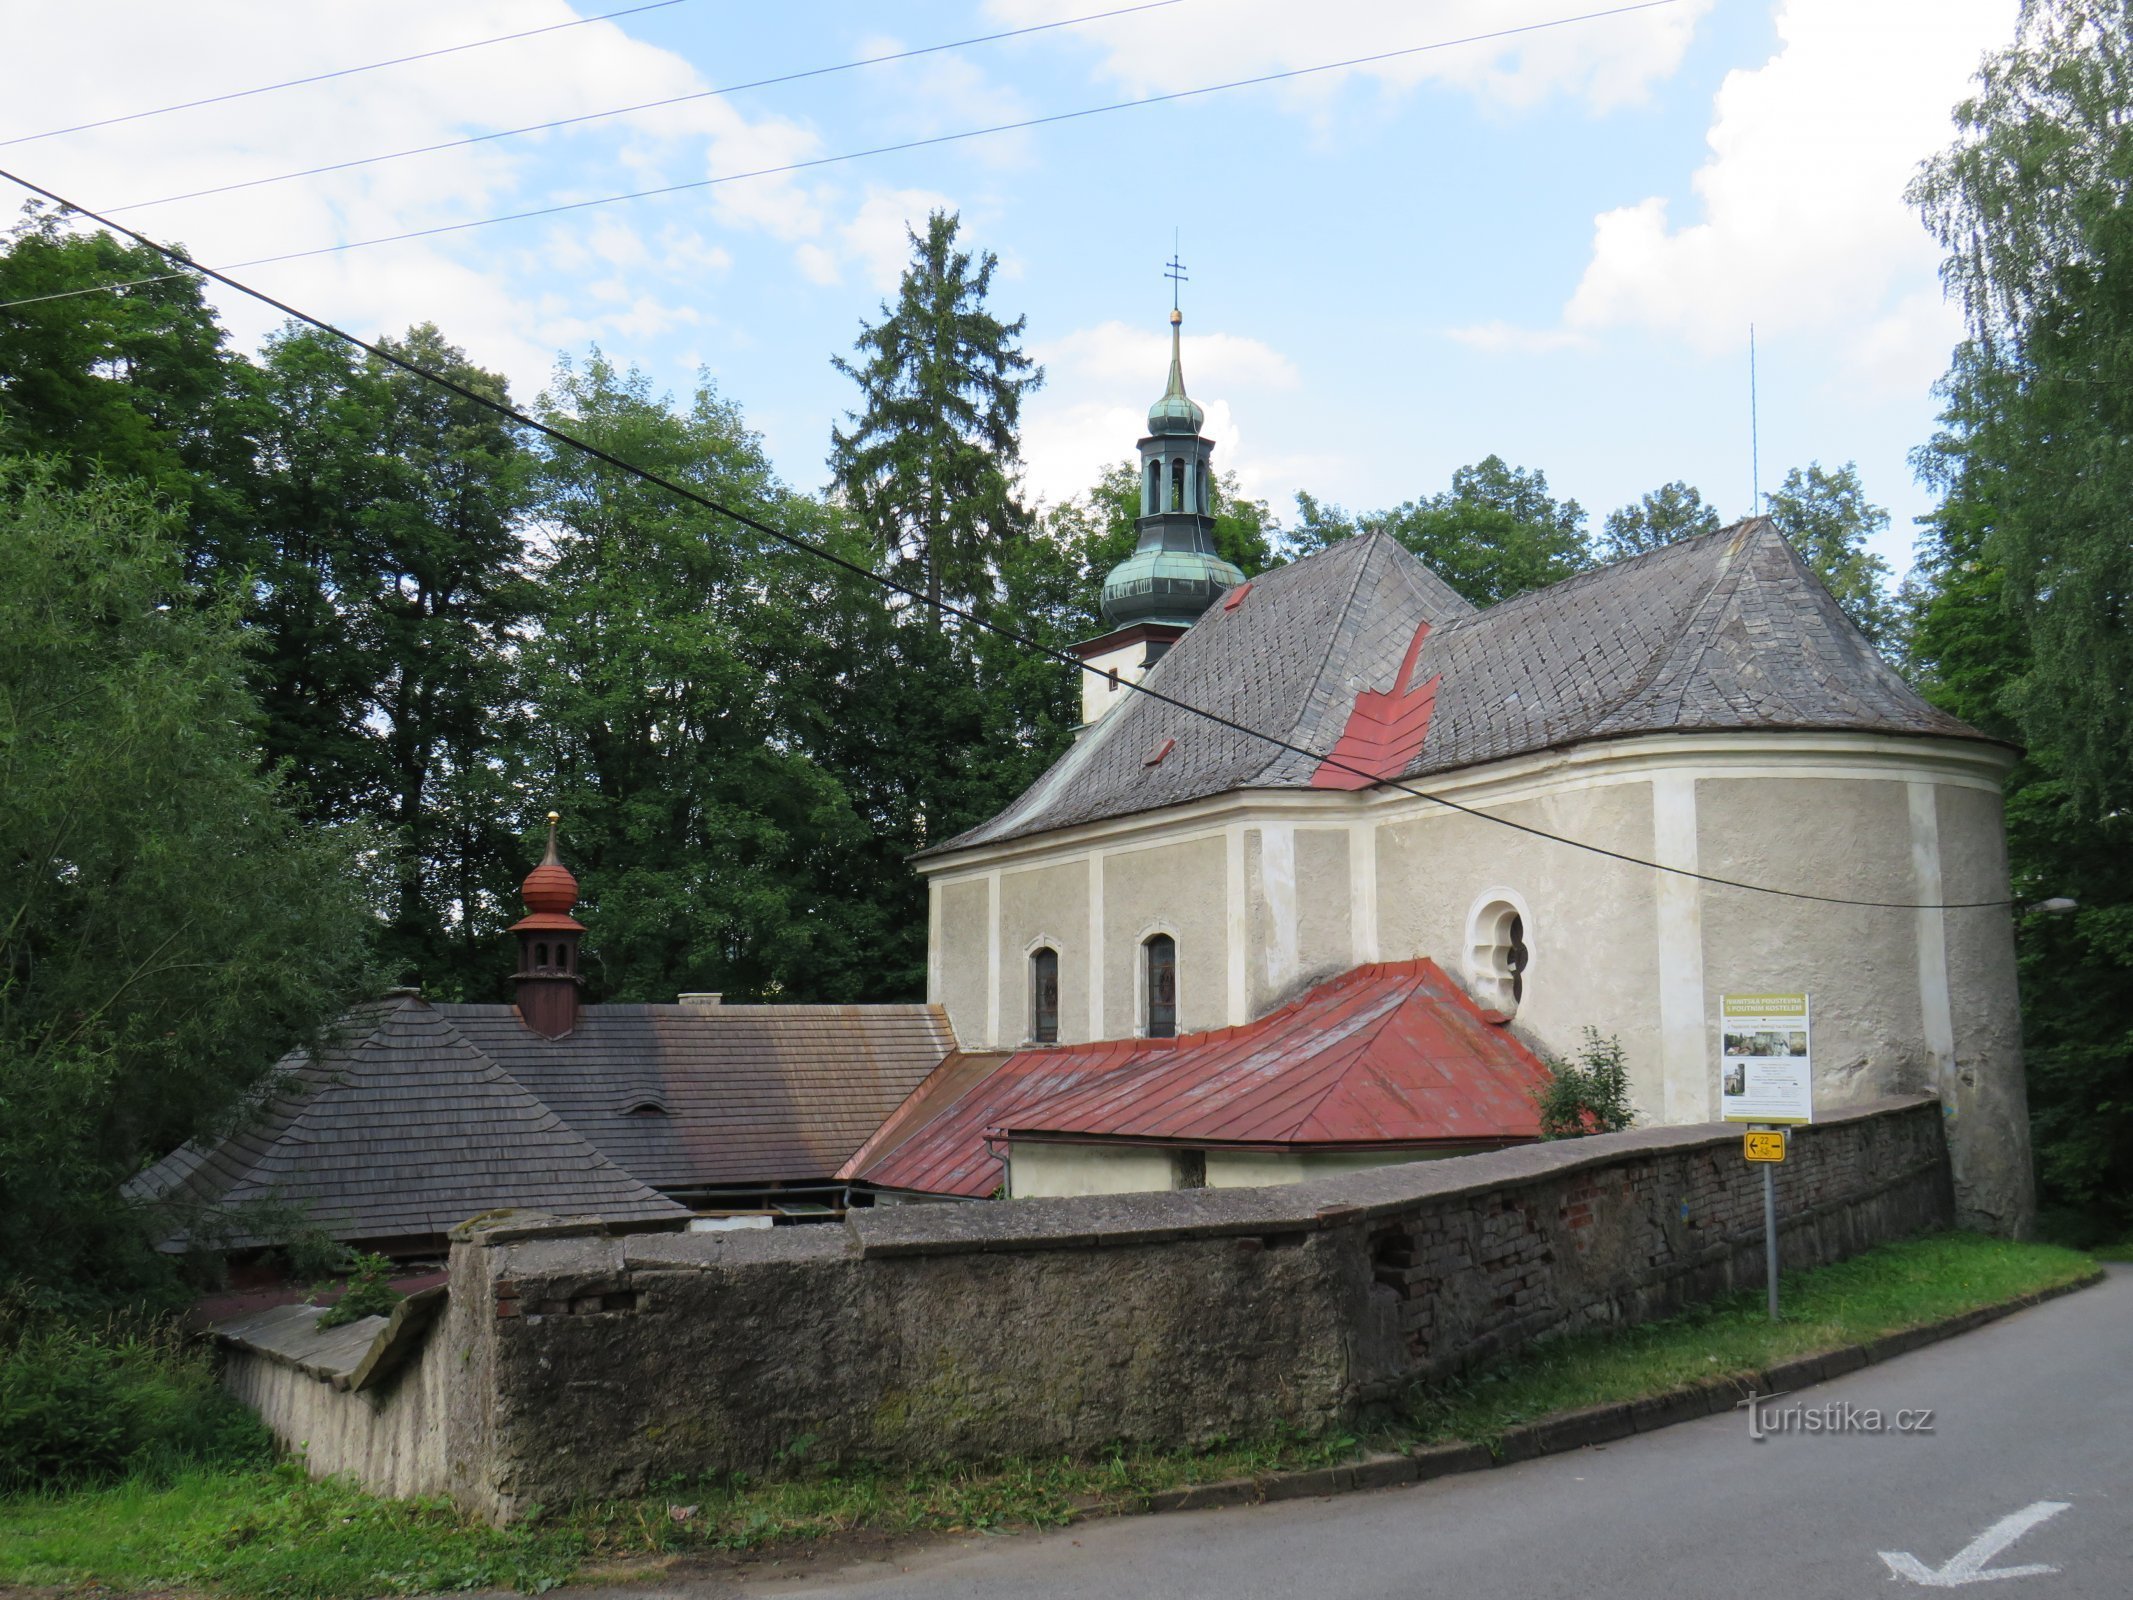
{"type": "Point", "coordinates": [1766, 1077]}
{"type": "Point", "coordinates": [1766, 1148]}
{"type": "Point", "coordinates": [1770, 1233]}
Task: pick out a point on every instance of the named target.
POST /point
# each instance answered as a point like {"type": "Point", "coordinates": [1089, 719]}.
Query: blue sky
{"type": "Point", "coordinates": [1548, 247]}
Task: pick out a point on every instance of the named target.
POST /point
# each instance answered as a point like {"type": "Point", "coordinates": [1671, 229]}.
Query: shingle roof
{"type": "Point", "coordinates": [1393, 1054]}
{"type": "Point", "coordinates": [405, 1130]}
{"type": "Point", "coordinates": [425, 1115]}
{"type": "Point", "coordinates": [750, 1094]}
{"type": "Point", "coordinates": [1725, 631]}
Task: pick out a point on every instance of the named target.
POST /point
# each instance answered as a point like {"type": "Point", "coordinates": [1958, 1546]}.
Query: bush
{"type": "Point", "coordinates": [369, 1292]}
{"type": "Point", "coordinates": [79, 1404]}
{"type": "Point", "coordinates": [1589, 1095]}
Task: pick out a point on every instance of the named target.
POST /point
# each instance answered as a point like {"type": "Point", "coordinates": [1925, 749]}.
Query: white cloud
{"type": "Point", "coordinates": [878, 236]}
{"type": "Point", "coordinates": [485, 287]}
{"type": "Point", "coordinates": [1803, 224]}
{"type": "Point", "coordinates": [1084, 419]}
{"type": "Point", "coordinates": [1606, 62]}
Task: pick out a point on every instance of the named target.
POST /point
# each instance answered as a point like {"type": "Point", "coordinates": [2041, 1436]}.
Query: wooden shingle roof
{"type": "Point", "coordinates": [422, 1116]}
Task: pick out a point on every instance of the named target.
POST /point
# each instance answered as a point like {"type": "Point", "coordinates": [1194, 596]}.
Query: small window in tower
{"type": "Point", "coordinates": [1205, 494]}
{"type": "Point", "coordinates": [1160, 955]}
{"type": "Point", "coordinates": [1044, 996]}
{"type": "Point", "coordinates": [1177, 483]}
{"type": "Point", "coordinates": [1152, 501]}
{"type": "Point", "coordinates": [540, 958]}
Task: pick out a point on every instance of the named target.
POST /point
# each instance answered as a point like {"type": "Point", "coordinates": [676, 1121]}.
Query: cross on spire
{"type": "Point", "coordinates": [1174, 270]}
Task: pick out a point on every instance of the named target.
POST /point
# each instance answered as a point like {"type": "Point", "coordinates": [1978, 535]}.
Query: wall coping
{"type": "Point", "coordinates": [1094, 1221]}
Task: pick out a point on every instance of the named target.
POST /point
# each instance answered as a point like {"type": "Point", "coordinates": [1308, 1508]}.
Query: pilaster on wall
{"type": "Point", "coordinates": [1237, 1010]}
{"type": "Point", "coordinates": [992, 959]}
{"type": "Point", "coordinates": [1363, 891]}
{"type": "Point", "coordinates": [1096, 945]}
{"type": "Point", "coordinates": [1684, 1046]}
{"type": "Point", "coordinates": [1937, 1019]}
{"type": "Point", "coordinates": [934, 994]}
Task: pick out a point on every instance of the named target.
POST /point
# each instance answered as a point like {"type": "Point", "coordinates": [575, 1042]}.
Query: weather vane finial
{"type": "Point", "coordinates": [1174, 270]}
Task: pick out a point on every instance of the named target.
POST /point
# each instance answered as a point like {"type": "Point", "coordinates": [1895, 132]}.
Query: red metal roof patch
{"type": "Point", "coordinates": [1385, 730]}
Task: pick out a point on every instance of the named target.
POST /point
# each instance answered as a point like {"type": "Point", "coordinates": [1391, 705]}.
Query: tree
{"type": "Point", "coordinates": [687, 679]}
{"type": "Point", "coordinates": [1670, 513]}
{"type": "Point", "coordinates": [2018, 616]}
{"type": "Point", "coordinates": [1497, 532]}
{"type": "Point", "coordinates": [929, 463]}
{"type": "Point", "coordinates": [167, 926]}
{"type": "Point", "coordinates": [2029, 203]}
{"type": "Point", "coordinates": [1828, 519]}
{"type": "Point", "coordinates": [135, 382]}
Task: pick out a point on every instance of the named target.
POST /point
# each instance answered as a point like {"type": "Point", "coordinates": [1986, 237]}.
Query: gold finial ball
{"type": "Point", "coordinates": [1176, 316]}
{"type": "Point", "coordinates": [554, 817]}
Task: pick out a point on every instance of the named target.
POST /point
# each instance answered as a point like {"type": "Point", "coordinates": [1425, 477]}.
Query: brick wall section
{"type": "Point", "coordinates": [589, 1365]}
{"type": "Point", "coordinates": [1472, 1275]}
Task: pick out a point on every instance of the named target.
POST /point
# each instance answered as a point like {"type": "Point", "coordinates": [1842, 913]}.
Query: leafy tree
{"type": "Point", "coordinates": [1827, 518]}
{"type": "Point", "coordinates": [687, 673]}
{"type": "Point", "coordinates": [135, 382]}
{"type": "Point", "coordinates": [2029, 203]}
{"type": "Point", "coordinates": [929, 462]}
{"type": "Point", "coordinates": [1670, 513]}
{"type": "Point", "coordinates": [1497, 532]}
{"type": "Point", "coordinates": [435, 596]}
{"type": "Point", "coordinates": [167, 926]}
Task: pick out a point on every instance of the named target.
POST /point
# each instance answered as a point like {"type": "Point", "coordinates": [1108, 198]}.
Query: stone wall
{"type": "Point", "coordinates": [588, 1365]}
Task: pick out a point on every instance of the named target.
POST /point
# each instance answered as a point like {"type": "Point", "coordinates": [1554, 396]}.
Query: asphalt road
{"type": "Point", "coordinates": [2030, 1414]}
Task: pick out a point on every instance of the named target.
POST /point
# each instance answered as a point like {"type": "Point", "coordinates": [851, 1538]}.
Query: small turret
{"type": "Point", "coordinates": [548, 978]}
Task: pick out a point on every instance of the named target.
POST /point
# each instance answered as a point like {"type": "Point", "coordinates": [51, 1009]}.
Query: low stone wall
{"type": "Point", "coordinates": [586, 1365]}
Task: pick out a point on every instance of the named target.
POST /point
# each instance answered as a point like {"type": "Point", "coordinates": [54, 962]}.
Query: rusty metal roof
{"type": "Point", "coordinates": [1389, 1055]}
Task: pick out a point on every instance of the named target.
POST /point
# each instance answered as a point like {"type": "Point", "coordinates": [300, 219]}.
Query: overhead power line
{"type": "Point", "coordinates": [1286, 75]}
{"type": "Point", "coordinates": [342, 72]}
{"type": "Point", "coordinates": [94, 288]}
{"type": "Point", "coordinates": [962, 614]}
{"type": "Point", "coordinates": [643, 105]}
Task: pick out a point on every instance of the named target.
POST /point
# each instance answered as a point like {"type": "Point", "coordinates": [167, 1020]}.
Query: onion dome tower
{"type": "Point", "coordinates": [1174, 573]}
{"type": "Point", "coordinates": [548, 978]}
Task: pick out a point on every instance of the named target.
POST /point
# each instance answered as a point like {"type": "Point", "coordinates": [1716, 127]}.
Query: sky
{"type": "Point", "coordinates": [1548, 245]}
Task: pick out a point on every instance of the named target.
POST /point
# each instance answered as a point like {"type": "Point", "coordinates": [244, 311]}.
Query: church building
{"type": "Point", "coordinates": [1604, 804]}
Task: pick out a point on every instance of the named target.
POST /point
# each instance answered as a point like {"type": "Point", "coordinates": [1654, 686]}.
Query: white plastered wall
{"type": "Point", "coordinates": [1269, 892]}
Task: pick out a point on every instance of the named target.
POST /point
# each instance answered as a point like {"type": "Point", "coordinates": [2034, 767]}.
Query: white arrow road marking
{"type": "Point", "coordinates": [1967, 1565]}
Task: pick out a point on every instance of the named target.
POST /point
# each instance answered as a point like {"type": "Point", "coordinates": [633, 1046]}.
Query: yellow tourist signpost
{"type": "Point", "coordinates": [1763, 1145]}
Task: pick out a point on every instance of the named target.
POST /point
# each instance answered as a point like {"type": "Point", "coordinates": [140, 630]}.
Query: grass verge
{"type": "Point", "coordinates": [270, 1534]}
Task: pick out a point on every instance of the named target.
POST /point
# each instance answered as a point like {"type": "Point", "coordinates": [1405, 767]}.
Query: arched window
{"type": "Point", "coordinates": [540, 958]}
{"type": "Point", "coordinates": [1498, 954]}
{"type": "Point", "coordinates": [1177, 483]}
{"type": "Point", "coordinates": [1044, 995]}
{"type": "Point", "coordinates": [1160, 954]}
{"type": "Point", "coordinates": [1152, 497]}
{"type": "Point", "coordinates": [1206, 496]}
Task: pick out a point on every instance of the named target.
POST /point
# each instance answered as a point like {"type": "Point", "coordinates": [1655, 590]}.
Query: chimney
{"type": "Point", "coordinates": [702, 1000]}
{"type": "Point", "coordinates": [548, 979]}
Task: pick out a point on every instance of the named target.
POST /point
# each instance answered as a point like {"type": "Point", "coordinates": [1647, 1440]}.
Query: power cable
{"type": "Point", "coordinates": [643, 105]}
{"type": "Point", "coordinates": [94, 288]}
{"type": "Point", "coordinates": [1286, 75]}
{"type": "Point", "coordinates": [342, 72]}
{"type": "Point", "coordinates": [962, 614]}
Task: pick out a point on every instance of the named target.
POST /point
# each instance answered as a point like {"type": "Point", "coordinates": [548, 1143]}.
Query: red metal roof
{"type": "Point", "coordinates": [1387, 1055]}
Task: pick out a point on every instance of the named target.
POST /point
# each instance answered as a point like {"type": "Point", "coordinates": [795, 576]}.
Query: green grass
{"type": "Point", "coordinates": [1882, 1291]}
{"type": "Point", "coordinates": [269, 1534]}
